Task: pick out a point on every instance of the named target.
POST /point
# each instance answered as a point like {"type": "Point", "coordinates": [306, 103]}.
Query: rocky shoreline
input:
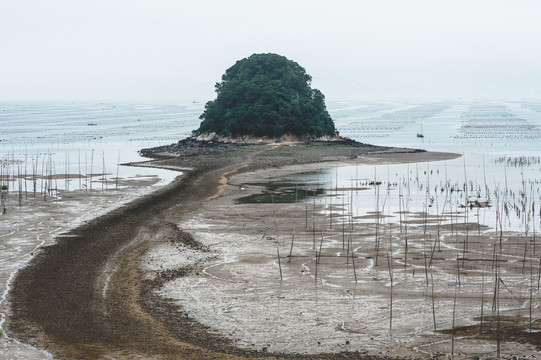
{"type": "Point", "coordinates": [195, 152]}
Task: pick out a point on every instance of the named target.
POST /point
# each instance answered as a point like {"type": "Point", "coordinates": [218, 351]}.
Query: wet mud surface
{"type": "Point", "coordinates": [87, 296]}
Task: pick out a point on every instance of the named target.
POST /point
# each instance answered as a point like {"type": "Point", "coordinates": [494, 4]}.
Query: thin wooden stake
{"type": "Point", "coordinates": [454, 311]}
{"type": "Point", "coordinates": [531, 295]}
{"type": "Point", "coordinates": [91, 166]}
{"type": "Point", "coordinates": [353, 263]}
{"type": "Point", "coordinates": [525, 250]}
{"type": "Point", "coordinates": [347, 252]}
{"type": "Point", "coordinates": [539, 275]}
{"type": "Point", "coordinates": [279, 264]}
{"type": "Point", "coordinates": [291, 249]}
{"type": "Point", "coordinates": [391, 301]}
{"type": "Point", "coordinates": [433, 304]}
{"type": "Point", "coordinates": [117, 170]}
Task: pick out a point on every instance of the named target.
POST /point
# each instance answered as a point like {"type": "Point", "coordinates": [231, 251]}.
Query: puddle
{"type": "Point", "coordinates": [281, 193]}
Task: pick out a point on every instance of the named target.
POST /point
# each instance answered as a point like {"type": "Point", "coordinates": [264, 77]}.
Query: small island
{"type": "Point", "coordinates": [266, 95]}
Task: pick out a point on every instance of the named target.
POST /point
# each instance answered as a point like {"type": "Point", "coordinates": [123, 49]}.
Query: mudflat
{"type": "Point", "coordinates": [87, 296]}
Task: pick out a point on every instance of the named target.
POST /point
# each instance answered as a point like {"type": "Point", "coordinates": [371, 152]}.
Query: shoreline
{"type": "Point", "coordinates": [87, 343]}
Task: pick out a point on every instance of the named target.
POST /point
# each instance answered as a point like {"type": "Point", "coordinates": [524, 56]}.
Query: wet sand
{"type": "Point", "coordinates": [343, 302]}
{"type": "Point", "coordinates": [100, 291]}
{"type": "Point", "coordinates": [38, 222]}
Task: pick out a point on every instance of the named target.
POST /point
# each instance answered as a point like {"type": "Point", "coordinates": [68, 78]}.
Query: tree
{"type": "Point", "coordinates": [266, 95]}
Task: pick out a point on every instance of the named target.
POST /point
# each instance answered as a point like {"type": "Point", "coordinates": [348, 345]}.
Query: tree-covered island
{"type": "Point", "coordinates": [266, 95]}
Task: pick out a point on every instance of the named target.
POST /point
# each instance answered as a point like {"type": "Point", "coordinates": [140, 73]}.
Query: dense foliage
{"type": "Point", "coordinates": [266, 95]}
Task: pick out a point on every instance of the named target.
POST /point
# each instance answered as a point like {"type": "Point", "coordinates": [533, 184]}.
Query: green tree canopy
{"type": "Point", "coordinates": [266, 95]}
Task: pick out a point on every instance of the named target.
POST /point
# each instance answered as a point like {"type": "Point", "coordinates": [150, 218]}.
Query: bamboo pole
{"type": "Point", "coordinates": [433, 303]}
{"type": "Point", "coordinates": [117, 170]}
{"type": "Point", "coordinates": [539, 275]}
{"type": "Point", "coordinates": [25, 174]}
{"type": "Point", "coordinates": [391, 290]}
{"type": "Point", "coordinates": [330, 208]}
{"type": "Point", "coordinates": [306, 209]}
{"type": "Point", "coordinates": [353, 263]}
{"type": "Point", "coordinates": [454, 310]}
{"type": "Point", "coordinates": [498, 345]}
{"type": "Point", "coordinates": [320, 248]}
{"type": "Point", "coordinates": [91, 167]}
{"type": "Point", "coordinates": [103, 177]}
{"type": "Point", "coordinates": [524, 259]}
{"type": "Point", "coordinates": [68, 172]}
{"type": "Point", "coordinates": [20, 195]}
{"type": "Point", "coordinates": [291, 249]}
{"type": "Point", "coordinates": [35, 173]}
{"type": "Point", "coordinates": [316, 265]}
{"type": "Point", "coordinates": [347, 252]}
{"type": "Point", "coordinates": [279, 264]}
{"type": "Point", "coordinates": [86, 172]}
{"type": "Point", "coordinates": [531, 296]}
{"type": "Point", "coordinates": [482, 284]}
{"type": "Point", "coordinates": [79, 166]}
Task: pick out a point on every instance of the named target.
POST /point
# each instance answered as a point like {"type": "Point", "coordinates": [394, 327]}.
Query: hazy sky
{"type": "Point", "coordinates": [177, 50]}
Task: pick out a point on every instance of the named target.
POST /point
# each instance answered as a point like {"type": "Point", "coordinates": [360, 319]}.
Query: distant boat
{"type": "Point", "coordinates": [92, 124]}
{"type": "Point", "coordinates": [420, 134]}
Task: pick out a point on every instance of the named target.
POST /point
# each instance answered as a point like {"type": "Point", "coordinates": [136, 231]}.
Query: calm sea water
{"type": "Point", "coordinates": [499, 140]}
{"type": "Point", "coordinates": [88, 138]}
{"type": "Point", "coordinates": [501, 162]}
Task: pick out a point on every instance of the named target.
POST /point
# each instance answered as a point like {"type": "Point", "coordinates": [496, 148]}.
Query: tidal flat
{"type": "Point", "coordinates": [311, 276]}
{"type": "Point", "coordinates": [458, 247]}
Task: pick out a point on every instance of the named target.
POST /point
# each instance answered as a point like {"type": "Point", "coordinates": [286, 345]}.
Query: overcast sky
{"type": "Point", "coordinates": [156, 50]}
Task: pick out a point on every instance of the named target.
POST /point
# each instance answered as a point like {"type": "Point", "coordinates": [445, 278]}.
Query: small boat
{"type": "Point", "coordinates": [92, 124]}
{"type": "Point", "coordinates": [420, 134]}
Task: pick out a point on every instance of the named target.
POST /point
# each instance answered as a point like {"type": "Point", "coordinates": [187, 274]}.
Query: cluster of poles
{"type": "Point", "coordinates": [37, 176]}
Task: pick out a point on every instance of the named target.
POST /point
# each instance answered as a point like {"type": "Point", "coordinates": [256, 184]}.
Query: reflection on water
{"type": "Point", "coordinates": [278, 192]}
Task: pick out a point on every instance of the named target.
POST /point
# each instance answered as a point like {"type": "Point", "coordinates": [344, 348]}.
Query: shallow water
{"type": "Point", "coordinates": [499, 142]}
{"type": "Point", "coordinates": [499, 171]}
{"type": "Point", "coordinates": [78, 138]}
{"type": "Point", "coordinates": [86, 140]}
{"type": "Point", "coordinates": [501, 164]}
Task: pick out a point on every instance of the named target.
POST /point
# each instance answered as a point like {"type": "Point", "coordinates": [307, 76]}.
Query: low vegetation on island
{"type": "Point", "coordinates": [266, 95]}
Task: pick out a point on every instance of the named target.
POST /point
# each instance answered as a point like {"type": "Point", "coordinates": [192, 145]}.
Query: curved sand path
{"type": "Point", "coordinates": [85, 296]}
